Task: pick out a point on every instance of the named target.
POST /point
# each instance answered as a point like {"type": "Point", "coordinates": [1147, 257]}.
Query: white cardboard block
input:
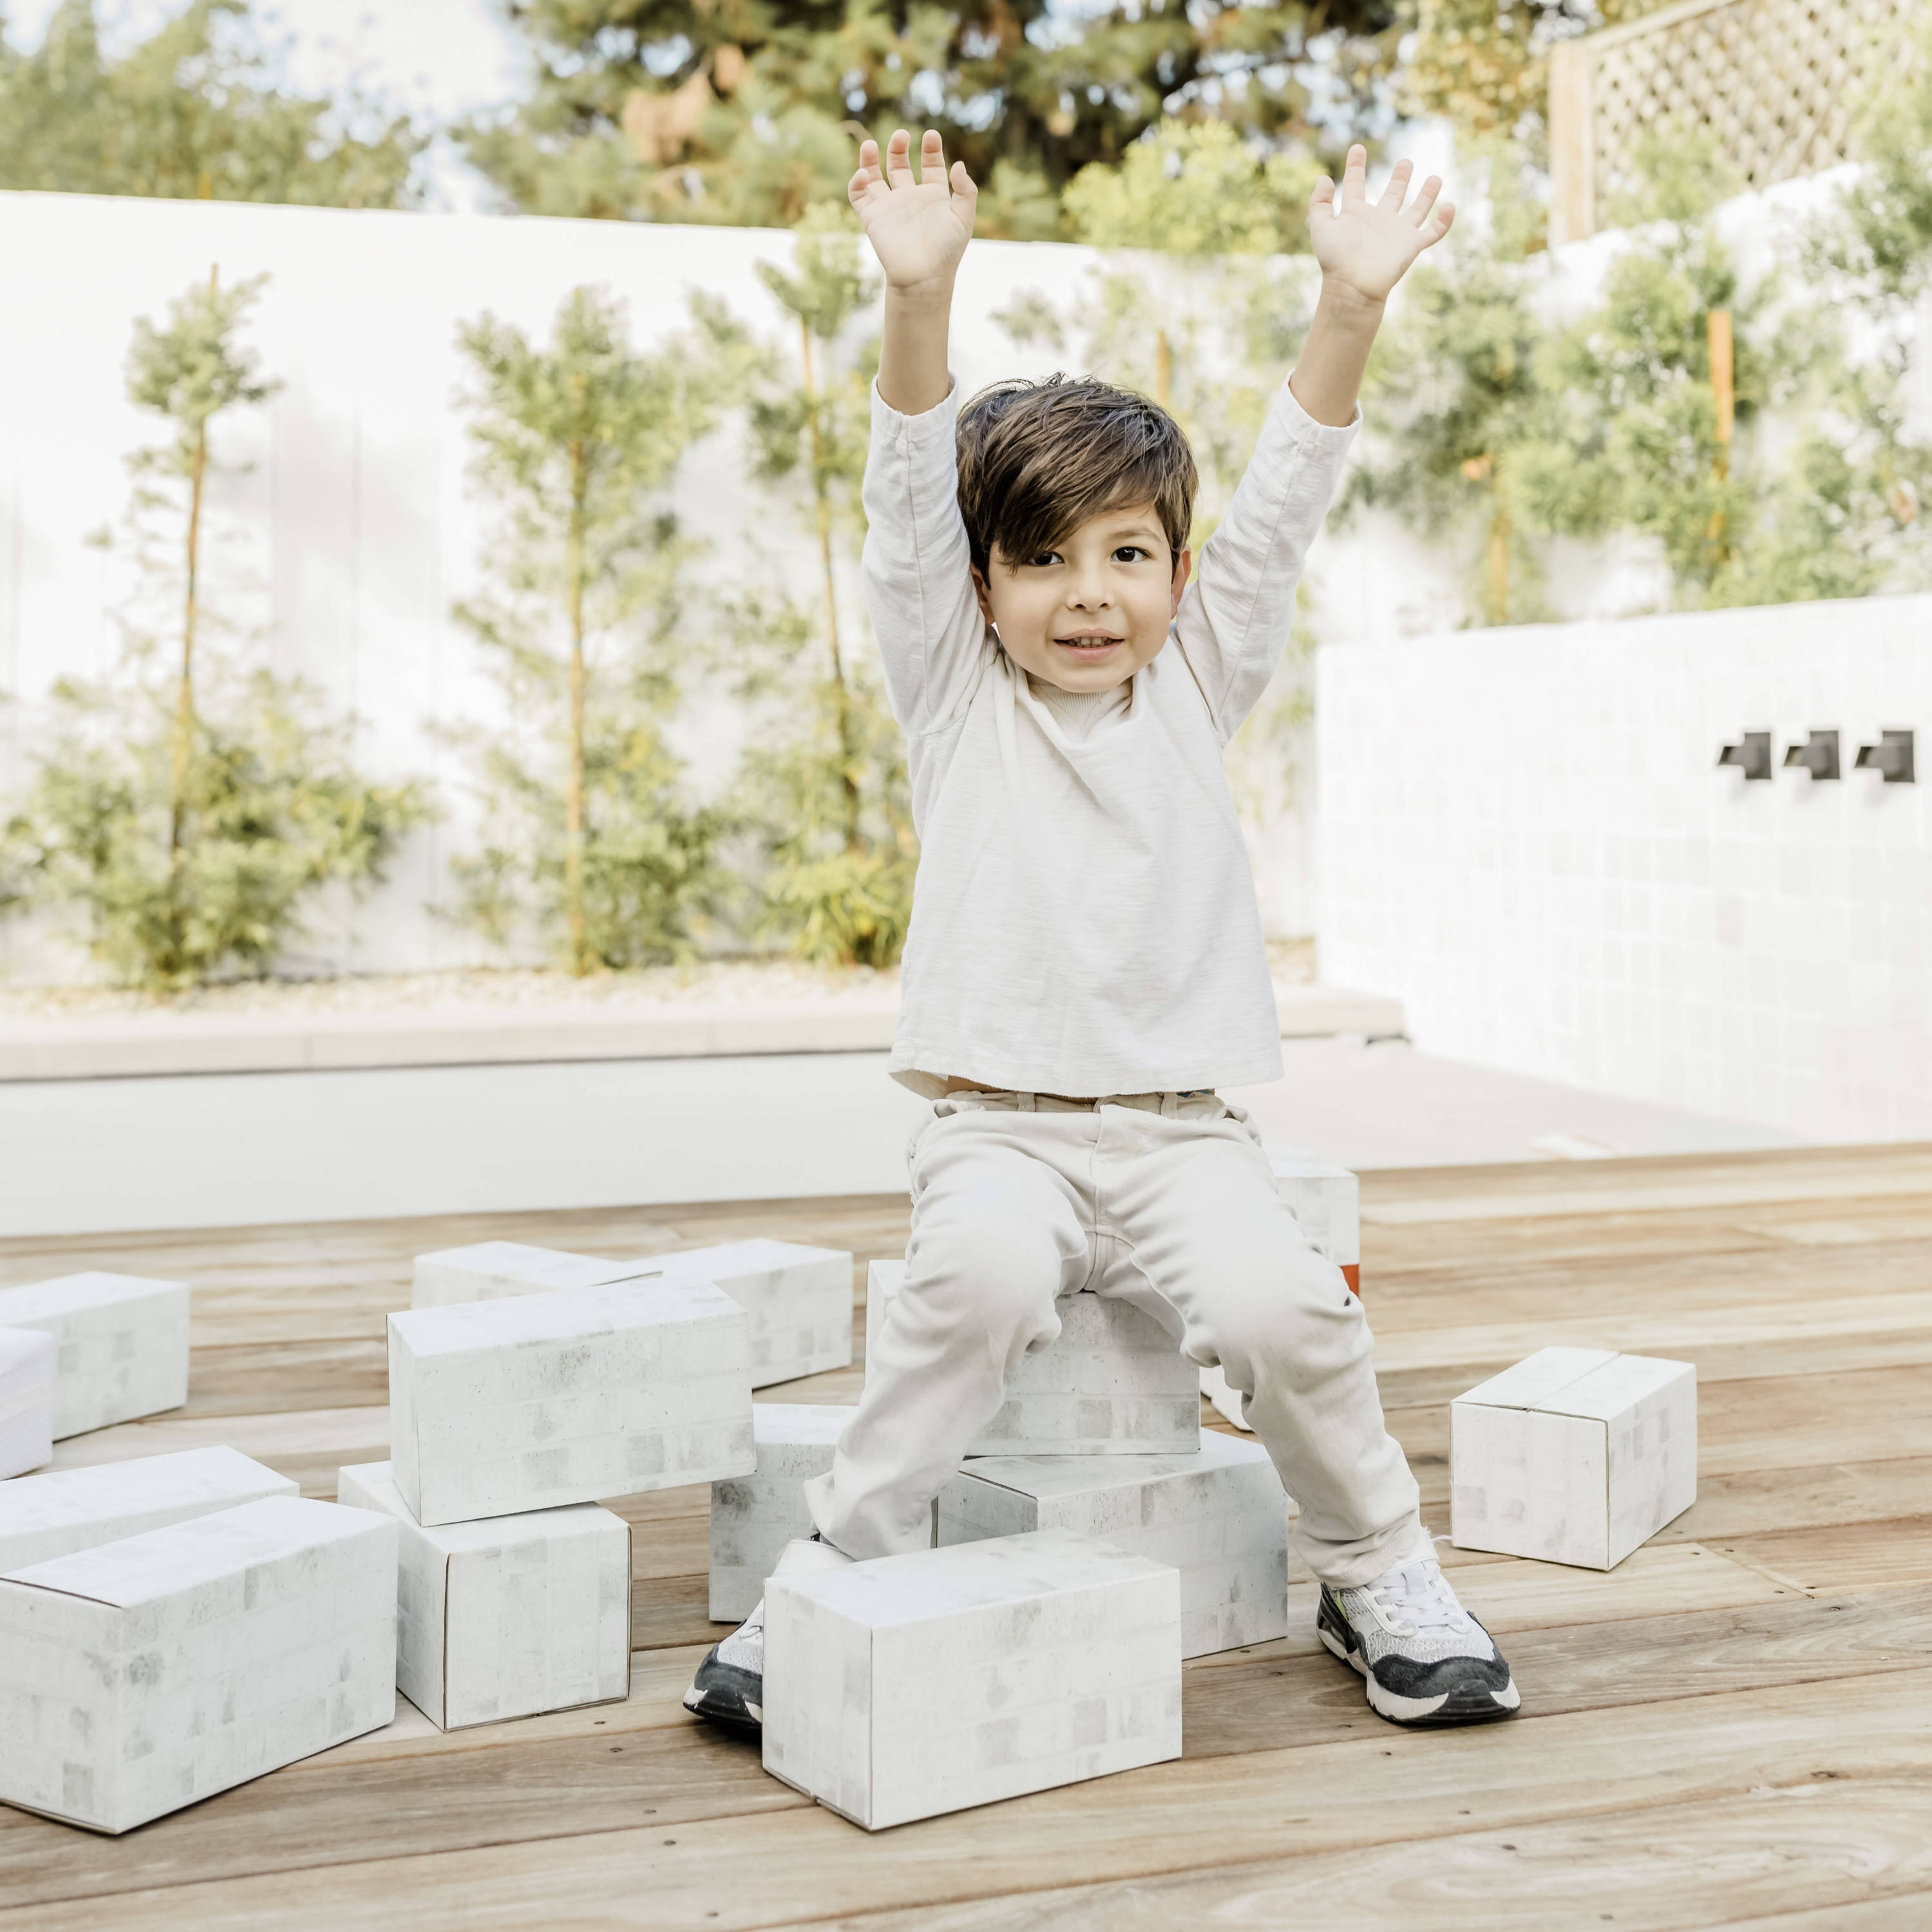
{"type": "Point", "coordinates": [1112, 1383]}
{"type": "Point", "coordinates": [753, 1517]}
{"type": "Point", "coordinates": [912, 1685]}
{"type": "Point", "coordinates": [46, 1516]}
{"type": "Point", "coordinates": [120, 1345]}
{"type": "Point", "coordinates": [486, 1270]}
{"type": "Point", "coordinates": [26, 1401]}
{"type": "Point", "coordinates": [139, 1676]}
{"type": "Point", "coordinates": [797, 1300]}
{"type": "Point", "coordinates": [508, 1617]}
{"type": "Point", "coordinates": [1326, 1202]}
{"type": "Point", "coordinates": [1219, 1517]}
{"type": "Point", "coordinates": [540, 1400]}
{"type": "Point", "coordinates": [1573, 1456]}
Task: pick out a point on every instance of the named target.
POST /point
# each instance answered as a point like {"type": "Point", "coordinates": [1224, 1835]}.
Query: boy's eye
{"type": "Point", "coordinates": [1045, 558]}
{"type": "Point", "coordinates": [1130, 553]}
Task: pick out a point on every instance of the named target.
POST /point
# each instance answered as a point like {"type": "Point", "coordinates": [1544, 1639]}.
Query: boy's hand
{"type": "Point", "coordinates": [918, 229]}
{"type": "Point", "coordinates": [1366, 246]}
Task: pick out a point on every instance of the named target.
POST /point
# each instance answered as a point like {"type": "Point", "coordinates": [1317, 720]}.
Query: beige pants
{"type": "Point", "coordinates": [1166, 1200]}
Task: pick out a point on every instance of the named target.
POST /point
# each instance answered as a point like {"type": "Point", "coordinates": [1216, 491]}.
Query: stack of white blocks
{"type": "Point", "coordinates": [509, 1414]}
{"type": "Point", "coordinates": [171, 1627]}
{"type": "Point", "coordinates": [1092, 1539]}
{"type": "Point", "coordinates": [119, 1352]}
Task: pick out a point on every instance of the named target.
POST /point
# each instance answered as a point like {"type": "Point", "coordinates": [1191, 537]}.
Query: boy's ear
{"type": "Point", "coordinates": [980, 591]}
{"type": "Point", "coordinates": [1183, 564]}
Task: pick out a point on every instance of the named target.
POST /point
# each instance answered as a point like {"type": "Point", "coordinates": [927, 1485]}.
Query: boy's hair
{"type": "Point", "coordinates": [1037, 459]}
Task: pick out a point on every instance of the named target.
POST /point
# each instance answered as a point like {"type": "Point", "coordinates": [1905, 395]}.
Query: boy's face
{"type": "Point", "coordinates": [1087, 616]}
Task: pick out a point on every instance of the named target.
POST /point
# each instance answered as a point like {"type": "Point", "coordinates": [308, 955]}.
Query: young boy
{"type": "Point", "coordinates": [1085, 965]}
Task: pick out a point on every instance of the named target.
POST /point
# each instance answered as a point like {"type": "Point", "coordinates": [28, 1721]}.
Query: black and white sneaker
{"type": "Point", "coordinates": [730, 1687]}
{"type": "Point", "coordinates": [1427, 1660]}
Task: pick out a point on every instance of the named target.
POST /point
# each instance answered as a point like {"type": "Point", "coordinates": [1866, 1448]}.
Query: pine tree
{"type": "Point", "coordinates": [192, 802]}
{"type": "Point", "coordinates": [746, 112]}
{"type": "Point", "coordinates": [577, 446]}
{"type": "Point", "coordinates": [190, 113]}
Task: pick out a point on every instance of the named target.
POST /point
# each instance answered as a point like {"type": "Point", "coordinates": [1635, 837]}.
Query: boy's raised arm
{"type": "Point", "coordinates": [1238, 614]}
{"type": "Point", "coordinates": [918, 229]}
{"type": "Point", "coordinates": [918, 567]}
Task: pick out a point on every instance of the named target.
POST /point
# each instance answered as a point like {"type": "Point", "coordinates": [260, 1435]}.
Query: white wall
{"type": "Point", "coordinates": [1525, 838]}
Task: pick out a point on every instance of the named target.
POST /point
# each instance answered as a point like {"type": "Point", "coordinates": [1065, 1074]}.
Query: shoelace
{"type": "Point", "coordinates": [1418, 1595]}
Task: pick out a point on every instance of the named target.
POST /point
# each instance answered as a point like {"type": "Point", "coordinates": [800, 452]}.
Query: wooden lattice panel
{"type": "Point", "coordinates": [1779, 82]}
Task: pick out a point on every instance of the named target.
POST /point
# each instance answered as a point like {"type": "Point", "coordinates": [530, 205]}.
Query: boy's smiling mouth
{"type": "Point", "coordinates": [1091, 643]}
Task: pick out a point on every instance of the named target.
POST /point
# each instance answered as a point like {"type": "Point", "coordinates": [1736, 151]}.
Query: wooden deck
{"type": "Point", "coordinates": [1734, 1728]}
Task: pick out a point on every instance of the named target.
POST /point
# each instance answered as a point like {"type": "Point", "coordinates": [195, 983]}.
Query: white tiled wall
{"type": "Point", "coordinates": [1524, 835]}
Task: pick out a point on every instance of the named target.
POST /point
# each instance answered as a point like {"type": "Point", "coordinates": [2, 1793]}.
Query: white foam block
{"type": "Point", "coordinates": [1573, 1456]}
{"type": "Point", "coordinates": [1326, 1202]}
{"type": "Point", "coordinates": [509, 1617]}
{"type": "Point", "coordinates": [42, 1517]}
{"type": "Point", "coordinates": [796, 1300]}
{"type": "Point", "coordinates": [487, 1271]}
{"type": "Point", "coordinates": [1112, 1383]}
{"type": "Point", "coordinates": [539, 1400]}
{"type": "Point", "coordinates": [912, 1685]}
{"type": "Point", "coordinates": [26, 1400]}
{"type": "Point", "coordinates": [1219, 1517]}
{"type": "Point", "coordinates": [753, 1517]}
{"type": "Point", "coordinates": [139, 1676]}
{"type": "Point", "coordinates": [120, 1345]}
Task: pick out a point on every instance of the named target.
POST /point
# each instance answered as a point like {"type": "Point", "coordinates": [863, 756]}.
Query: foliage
{"type": "Point", "coordinates": [679, 110]}
{"type": "Point", "coordinates": [189, 113]}
{"type": "Point", "coordinates": [191, 806]}
{"type": "Point", "coordinates": [1483, 64]}
{"type": "Point", "coordinates": [1877, 236]}
{"type": "Point", "coordinates": [824, 788]}
{"type": "Point", "coordinates": [578, 445]}
{"type": "Point", "coordinates": [1464, 385]}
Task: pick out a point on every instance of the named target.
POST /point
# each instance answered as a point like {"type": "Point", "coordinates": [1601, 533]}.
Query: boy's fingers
{"type": "Point", "coordinates": [1354, 176]}
{"type": "Point", "coordinates": [963, 184]}
{"type": "Point", "coordinates": [931, 156]}
{"type": "Point", "coordinates": [1398, 185]}
{"type": "Point", "coordinates": [898, 159]}
{"type": "Point", "coordinates": [1439, 223]}
{"type": "Point", "coordinates": [1426, 198]}
{"type": "Point", "coordinates": [1324, 195]}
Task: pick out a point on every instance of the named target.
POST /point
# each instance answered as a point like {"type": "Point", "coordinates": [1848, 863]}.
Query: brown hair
{"type": "Point", "coordinates": [1037, 459]}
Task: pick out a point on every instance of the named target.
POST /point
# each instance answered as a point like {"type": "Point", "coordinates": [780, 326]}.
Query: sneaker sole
{"type": "Point", "coordinates": [1477, 1705]}
{"type": "Point", "coordinates": [749, 1718]}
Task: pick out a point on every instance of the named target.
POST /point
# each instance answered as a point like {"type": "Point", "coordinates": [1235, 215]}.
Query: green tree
{"type": "Point", "coordinates": [826, 787]}
{"type": "Point", "coordinates": [1483, 64]}
{"type": "Point", "coordinates": [577, 446]}
{"type": "Point", "coordinates": [192, 803]}
{"type": "Point", "coordinates": [1463, 389]}
{"type": "Point", "coordinates": [189, 113]}
{"type": "Point", "coordinates": [682, 110]}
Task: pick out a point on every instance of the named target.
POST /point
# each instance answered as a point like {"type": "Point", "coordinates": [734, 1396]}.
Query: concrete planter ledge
{"type": "Point", "coordinates": [175, 1043]}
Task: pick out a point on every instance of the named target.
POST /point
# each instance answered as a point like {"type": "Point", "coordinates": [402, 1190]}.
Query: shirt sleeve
{"type": "Point", "coordinates": [917, 566]}
{"type": "Point", "coordinates": [1235, 616]}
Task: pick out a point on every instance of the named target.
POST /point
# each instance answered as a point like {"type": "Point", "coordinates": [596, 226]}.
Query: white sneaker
{"type": "Point", "coordinates": [730, 1687]}
{"type": "Point", "coordinates": [1425, 1659]}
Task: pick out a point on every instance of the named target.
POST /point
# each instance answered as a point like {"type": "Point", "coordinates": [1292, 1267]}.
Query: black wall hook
{"type": "Point", "coordinates": [1751, 753]}
{"type": "Point", "coordinates": [1819, 756]}
{"type": "Point", "coordinates": [1892, 756]}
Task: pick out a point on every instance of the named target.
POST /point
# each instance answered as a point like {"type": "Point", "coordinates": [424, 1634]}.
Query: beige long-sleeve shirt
{"type": "Point", "coordinates": [1084, 921]}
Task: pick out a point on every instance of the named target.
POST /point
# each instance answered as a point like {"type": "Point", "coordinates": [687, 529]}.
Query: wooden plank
{"type": "Point", "coordinates": [1659, 1870]}
{"type": "Point", "coordinates": [1842, 1556]}
{"type": "Point", "coordinates": [1235, 1703]}
{"type": "Point", "coordinates": [1622, 1195]}
{"type": "Point", "coordinates": [1397, 1790]}
{"type": "Point", "coordinates": [309, 1445]}
{"type": "Point", "coordinates": [1794, 1421]}
{"type": "Point", "coordinates": [1749, 1502]}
